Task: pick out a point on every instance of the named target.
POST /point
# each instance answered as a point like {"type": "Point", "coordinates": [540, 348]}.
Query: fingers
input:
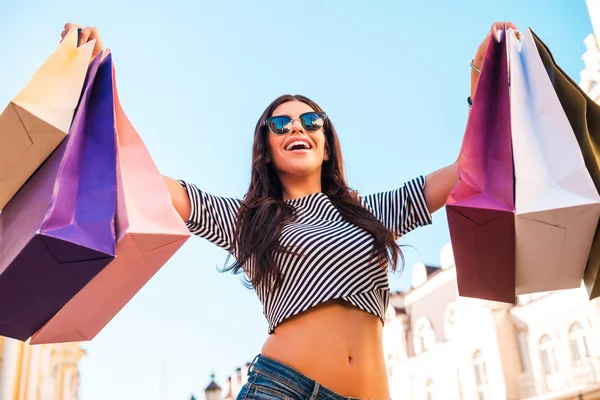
{"type": "Point", "coordinates": [87, 34]}
{"type": "Point", "coordinates": [498, 26]}
{"type": "Point", "coordinates": [70, 25]}
{"type": "Point", "coordinates": [67, 28]}
{"type": "Point", "coordinates": [510, 25]}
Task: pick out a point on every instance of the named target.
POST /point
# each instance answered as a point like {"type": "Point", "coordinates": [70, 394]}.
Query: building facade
{"type": "Point", "coordinates": [40, 372]}
{"type": "Point", "coordinates": [235, 382]}
{"type": "Point", "coordinates": [590, 75]}
{"type": "Point", "coordinates": [442, 346]}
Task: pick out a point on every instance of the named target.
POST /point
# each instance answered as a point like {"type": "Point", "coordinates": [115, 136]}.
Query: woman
{"type": "Point", "coordinates": [316, 252]}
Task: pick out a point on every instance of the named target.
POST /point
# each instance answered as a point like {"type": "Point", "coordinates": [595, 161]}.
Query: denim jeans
{"type": "Point", "coordinates": [269, 379]}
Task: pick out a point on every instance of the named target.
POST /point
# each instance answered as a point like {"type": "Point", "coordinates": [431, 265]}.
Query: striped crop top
{"type": "Point", "coordinates": [336, 260]}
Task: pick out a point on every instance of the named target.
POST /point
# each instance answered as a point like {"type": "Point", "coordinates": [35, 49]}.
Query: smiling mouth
{"type": "Point", "coordinates": [298, 145]}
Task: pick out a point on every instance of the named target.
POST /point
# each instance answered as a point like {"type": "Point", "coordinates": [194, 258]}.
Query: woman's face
{"type": "Point", "coordinates": [297, 162]}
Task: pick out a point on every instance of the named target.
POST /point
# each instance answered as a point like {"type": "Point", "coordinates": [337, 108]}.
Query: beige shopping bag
{"type": "Point", "coordinates": [37, 120]}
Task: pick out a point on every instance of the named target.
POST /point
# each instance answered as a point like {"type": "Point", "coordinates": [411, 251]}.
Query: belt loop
{"type": "Point", "coordinates": [315, 393]}
{"type": "Point", "coordinates": [251, 366]}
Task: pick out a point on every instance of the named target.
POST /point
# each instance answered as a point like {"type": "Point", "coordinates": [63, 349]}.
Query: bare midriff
{"type": "Point", "coordinates": [337, 345]}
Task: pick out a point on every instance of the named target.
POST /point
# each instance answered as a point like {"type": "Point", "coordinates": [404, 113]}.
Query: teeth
{"type": "Point", "coordinates": [298, 143]}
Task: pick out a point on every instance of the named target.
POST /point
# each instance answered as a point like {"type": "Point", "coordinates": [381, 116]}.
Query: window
{"type": "Point", "coordinates": [578, 342]}
{"type": "Point", "coordinates": [524, 351]}
{"type": "Point", "coordinates": [481, 378]}
{"type": "Point", "coordinates": [424, 336]}
{"type": "Point", "coordinates": [429, 390]}
{"type": "Point", "coordinates": [449, 320]}
{"type": "Point", "coordinates": [548, 356]}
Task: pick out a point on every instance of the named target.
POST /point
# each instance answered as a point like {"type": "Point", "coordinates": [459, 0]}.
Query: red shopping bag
{"type": "Point", "coordinates": [481, 206]}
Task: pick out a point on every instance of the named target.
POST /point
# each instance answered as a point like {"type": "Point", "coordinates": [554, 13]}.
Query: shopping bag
{"type": "Point", "coordinates": [58, 232]}
{"type": "Point", "coordinates": [37, 120]}
{"type": "Point", "coordinates": [557, 205]}
{"type": "Point", "coordinates": [149, 232]}
{"type": "Point", "coordinates": [480, 208]}
{"type": "Point", "coordinates": [584, 117]}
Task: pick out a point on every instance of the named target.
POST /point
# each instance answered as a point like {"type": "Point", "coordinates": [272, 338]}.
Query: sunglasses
{"type": "Point", "coordinates": [282, 124]}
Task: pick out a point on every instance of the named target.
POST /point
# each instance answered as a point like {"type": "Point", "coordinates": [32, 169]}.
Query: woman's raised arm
{"type": "Point", "coordinates": [179, 198]}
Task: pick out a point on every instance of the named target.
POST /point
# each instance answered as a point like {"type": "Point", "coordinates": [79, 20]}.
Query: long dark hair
{"type": "Point", "coordinates": [264, 213]}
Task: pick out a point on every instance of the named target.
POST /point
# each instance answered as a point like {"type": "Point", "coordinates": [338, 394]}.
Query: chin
{"type": "Point", "coordinates": [299, 170]}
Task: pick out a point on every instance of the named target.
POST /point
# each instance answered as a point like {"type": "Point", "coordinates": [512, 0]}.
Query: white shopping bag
{"type": "Point", "coordinates": [557, 205]}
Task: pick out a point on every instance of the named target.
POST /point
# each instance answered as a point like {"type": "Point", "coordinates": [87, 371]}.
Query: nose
{"type": "Point", "coordinates": [297, 127]}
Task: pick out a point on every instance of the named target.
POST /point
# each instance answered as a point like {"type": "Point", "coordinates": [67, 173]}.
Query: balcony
{"type": "Point", "coordinates": [580, 378]}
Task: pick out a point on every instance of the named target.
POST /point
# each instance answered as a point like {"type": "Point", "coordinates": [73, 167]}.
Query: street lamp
{"type": "Point", "coordinates": [213, 391]}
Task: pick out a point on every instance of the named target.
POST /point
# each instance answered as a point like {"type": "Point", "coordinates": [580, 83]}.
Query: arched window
{"type": "Point", "coordinates": [424, 336]}
{"type": "Point", "coordinates": [578, 342]}
{"type": "Point", "coordinates": [548, 355]}
{"type": "Point", "coordinates": [481, 378]}
{"type": "Point", "coordinates": [449, 320]}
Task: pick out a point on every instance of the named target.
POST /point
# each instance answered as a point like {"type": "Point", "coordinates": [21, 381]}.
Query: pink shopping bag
{"type": "Point", "coordinates": [149, 232]}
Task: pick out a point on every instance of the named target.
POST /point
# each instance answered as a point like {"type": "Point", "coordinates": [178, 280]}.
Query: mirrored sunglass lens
{"type": "Point", "coordinates": [279, 124]}
{"type": "Point", "coordinates": [312, 121]}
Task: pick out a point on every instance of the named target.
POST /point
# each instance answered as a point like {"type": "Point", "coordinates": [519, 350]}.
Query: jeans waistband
{"type": "Point", "coordinates": [287, 375]}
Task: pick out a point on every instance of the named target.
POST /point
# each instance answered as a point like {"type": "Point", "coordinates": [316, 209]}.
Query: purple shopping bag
{"type": "Point", "coordinates": [57, 233]}
{"type": "Point", "coordinates": [481, 207]}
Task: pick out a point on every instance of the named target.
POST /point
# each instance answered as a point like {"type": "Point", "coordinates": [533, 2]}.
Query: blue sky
{"type": "Point", "coordinates": [194, 76]}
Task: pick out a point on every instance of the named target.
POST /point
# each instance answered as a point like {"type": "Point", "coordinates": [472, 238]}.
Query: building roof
{"type": "Point", "coordinates": [431, 269]}
{"type": "Point", "coordinates": [213, 386]}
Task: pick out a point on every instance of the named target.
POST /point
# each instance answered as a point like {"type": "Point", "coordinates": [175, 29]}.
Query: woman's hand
{"type": "Point", "coordinates": [86, 35]}
{"type": "Point", "coordinates": [480, 55]}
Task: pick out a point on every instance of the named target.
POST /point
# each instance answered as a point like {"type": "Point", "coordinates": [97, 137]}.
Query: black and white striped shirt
{"type": "Point", "coordinates": [335, 260]}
